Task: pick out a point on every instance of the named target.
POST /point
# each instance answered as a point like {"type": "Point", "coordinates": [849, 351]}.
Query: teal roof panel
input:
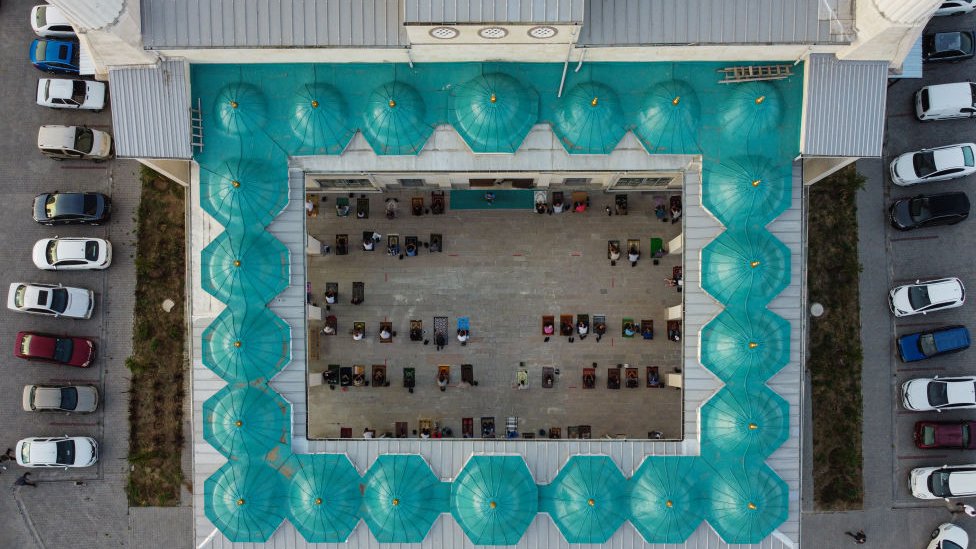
{"type": "Point", "coordinates": [665, 498]}
{"type": "Point", "coordinates": [241, 109]}
{"type": "Point", "coordinates": [493, 113]}
{"type": "Point", "coordinates": [250, 267]}
{"type": "Point", "coordinates": [250, 420]}
{"type": "Point", "coordinates": [243, 500]}
{"type": "Point", "coordinates": [241, 190]}
{"type": "Point", "coordinates": [745, 504]}
{"type": "Point", "coordinates": [750, 423]}
{"type": "Point", "coordinates": [668, 119]}
{"type": "Point", "coordinates": [494, 499]}
{"type": "Point", "coordinates": [747, 190]}
{"type": "Point", "coordinates": [588, 119]}
{"type": "Point", "coordinates": [588, 500]}
{"type": "Point", "coordinates": [402, 498]}
{"type": "Point", "coordinates": [323, 497]}
{"type": "Point", "coordinates": [394, 120]}
{"type": "Point", "coordinates": [246, 344]}
{"type": "Point", "coordinates": [319, 120]}
{"type": "Point", "coordinates": [752, 109]}
{"type": "Point", "coordinates": [745, 344]}
{"type": "Point", "coordinates": [745, 266]}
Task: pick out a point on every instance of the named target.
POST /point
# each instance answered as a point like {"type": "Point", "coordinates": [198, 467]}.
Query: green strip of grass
{"type": "Point", "coordinates": [835, 356]}
{"type": "Point", "coordinates": [158, 363]}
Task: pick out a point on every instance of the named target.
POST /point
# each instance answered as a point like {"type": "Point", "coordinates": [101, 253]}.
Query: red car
{"type": "Point", "coordinates": [71, 351]}
{"type": "Point", "coordinates": [945, 434]}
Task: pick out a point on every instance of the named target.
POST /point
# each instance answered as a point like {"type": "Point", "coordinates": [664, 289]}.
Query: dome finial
{"type": "Point", "coordinates": [595, 101]}
{"type": "Point", "coordinates": [676, 100]}
{"type": "Point", "coordinates": [760, 99]}
{"type": "Point", "coordinates": [392, 103]}
{"type": "Point", "coordinates": [315, 104]}
{"type": "Point", "coordinates": [493, 98]}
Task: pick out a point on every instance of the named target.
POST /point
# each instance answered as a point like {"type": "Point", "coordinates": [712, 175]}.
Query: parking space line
{"type": "Point", "coordinates": [81, 167]}
{"type": "Point", "coordinates": [74, 424]}
{"type": "Point", "coordinates": [901, 239]}
{"type": "Point", "coordinates": [925, 456]}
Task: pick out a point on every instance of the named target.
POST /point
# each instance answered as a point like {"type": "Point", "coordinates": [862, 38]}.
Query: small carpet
{"type": "Point", "coordinates": [505, 199]}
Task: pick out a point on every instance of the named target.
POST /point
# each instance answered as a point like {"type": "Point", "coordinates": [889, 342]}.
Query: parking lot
{"type": "Point", "coordinates": [87, 505]}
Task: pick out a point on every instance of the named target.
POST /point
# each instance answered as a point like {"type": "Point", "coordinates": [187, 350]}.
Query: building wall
{"type": "Point", "coordinates": [887, 29]}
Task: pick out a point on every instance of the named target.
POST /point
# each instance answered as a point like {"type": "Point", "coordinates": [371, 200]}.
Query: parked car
{"type": "Point", "coordinates": [72, 208]}
{"type": "Point", "coordinates": [72, 254]}
{"type": "Point", "coordinates": [945, 434]}
{"type": "Point", "coordinates": [67, 350]}
{"type": "Point", "coordinates": [949, 536]}
{"type": "Point", "coordinates": [948, 46]}
{"type": "Point", "coordinates": [48, 299]}
{"type": "Point", "coordinates": [939, 393]}
{"type": "Point", "coordinates": [932, 343]}
{"type": "Point", "coordinates": [929, 210]}
{"type": "Point", "coordinates": [57, 452]}
{"type": "Point", "coordinates": [74, 142]}
{"type": "Point", "coordinates": [82, 399]}
{"type": "Point", "coordinates": [939, 164]}
{"type": "Point", "coordinates": [48, 21]}
{"type": "Point", "coordinates": [946, 101]}
{"type": "Point", "coordinates": [62, 93]}
{"type": "Point", "coordinates": [927, 296]}
{"type": "Point", "coordinates": [55, 56]}
{"type": "Point", "coordinates": [948, 481]}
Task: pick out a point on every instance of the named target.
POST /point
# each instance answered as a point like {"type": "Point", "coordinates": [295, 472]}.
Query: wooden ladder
{"type": "Point", "coordinates": [755, 73]}
{"type": "Point", "coordinates": [196, 127]}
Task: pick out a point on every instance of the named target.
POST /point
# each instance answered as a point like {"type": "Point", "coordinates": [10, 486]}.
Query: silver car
{"type": "Point", "coordinates": [80, 399]}
{"type": "Point", "coordinates": [57, 452]}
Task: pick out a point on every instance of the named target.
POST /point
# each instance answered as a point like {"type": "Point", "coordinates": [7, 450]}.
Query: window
{"type": "Point", "coordinates": [341, 183]}
{"type": "Point", "coordinates": [576, 181]}
{"type": "Point", "coordinates": [411, 182]}
{"type": "Point", "coordinates": [642, 182]}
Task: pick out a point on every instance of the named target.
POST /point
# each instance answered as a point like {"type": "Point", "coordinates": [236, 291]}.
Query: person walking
{"type": "Point", "coordinates": [24, 480]}
{"type": "Point", "coordinates": [964, 508]}
{"type": "Point", "coordinates": [859, 538]}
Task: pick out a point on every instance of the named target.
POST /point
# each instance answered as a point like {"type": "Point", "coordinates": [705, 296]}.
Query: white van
{"type": "Point", "coordinates": [61, 142]}
{"type": "Point", "coordinates": [946, 101]}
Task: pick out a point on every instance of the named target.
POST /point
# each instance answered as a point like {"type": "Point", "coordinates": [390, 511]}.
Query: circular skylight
{"type": "Point", "coordinates": [444, 33]}
{"type": "Point", "coordinates": [543, 32]}
{"type": "Point", "coordinates": [493, 33]}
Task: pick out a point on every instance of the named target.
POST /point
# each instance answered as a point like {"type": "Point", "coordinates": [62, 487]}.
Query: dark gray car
{"type": "Point", "coordinates": [929, 210]}
{"type": "Point", "coordinates": [72, 208]}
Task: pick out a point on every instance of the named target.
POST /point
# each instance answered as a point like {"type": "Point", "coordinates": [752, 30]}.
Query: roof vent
{"type": "Point", "coordinates": [543, 32]}
{"type": "Point", "coordinates": [493, 33]}
{"type": "Point", "coordinates": [444, 33]}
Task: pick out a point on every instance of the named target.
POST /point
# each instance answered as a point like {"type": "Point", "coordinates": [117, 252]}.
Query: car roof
{"type": "Point", "coordinates": [44, 451]}
{"type": "Point", "coordinates": [948, 157]}
{"type": "Point", "coordinates": [47, 397]}
{"type": "Point", "coordinates": [961, 391]}
{"type": "Point", "coordinates": [943, 291]}
{"type": "Point", "coordinates": [947, 203]}
{"type": "Point", "coordinates": [962, 482]}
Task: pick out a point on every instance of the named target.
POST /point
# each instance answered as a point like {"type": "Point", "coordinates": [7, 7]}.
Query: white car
{"type": "Point", "coordinates": [948, 481]}
{"type": "Point", "coordinates": [927, 296]}
{"type": "Point", "coordinates": [949, 536]}
{"type": "Point", "coordinates": [938, 164]}
{"type": "Point", "coordinates": [925, 394]}
{"type": "Point", "coordinates": [955, 7]}
{"type": "Point", "coordinates": [81, 399]}
{"type": "Point", "coordinates": [49, 22]}
{"type": "Point", "coordinates": [57, 452]}
{"type": "Point", "coordinates": [50, 299]}
{"type": "Point", "coordinates": [62, 93]}
{"type": "Point", "coordinates": [72, 254]}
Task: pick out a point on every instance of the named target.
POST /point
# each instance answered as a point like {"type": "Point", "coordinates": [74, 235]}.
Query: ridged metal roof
{"type": "Point", "coordinates": [151, 110]}
{"type": "Point", "coordinates": [640, 22]}
{"type": "Point", "coordinates": [271, 23]}
{"type": "Point", "coordinates": [845, 107]}
{"type": "Point", "coordinates": [493, 11]}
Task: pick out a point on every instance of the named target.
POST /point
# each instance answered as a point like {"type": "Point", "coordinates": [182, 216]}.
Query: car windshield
{"type": "Point", "coordinates": [63, 347]}
{"type": "Point", "coordinates": [947, 544]}
{"type": "Point", "coordinates": [965, 436]}
{"type": "Point", "coordinates": [91, 204]}
{"type": "Point", "coordinates": [918, 296]}
{"type": "Point", "coordinates": [919, 209]}
{"type": "Point", "coordinates": [939, 484]}
{"type": "Point", "coordinates": [69, 398]}
{"type": "Point", "coordinates": [965, 42]}
{"type": "Point", "coordinates": [967, 157]}
{"type": "Point", "coordinates": [40, 17]}
{"type": "Point", "coordinates": [928, 435]}
{"type": "Point", "coordinates": [25, 345]}
{"type": "Point", "coordinates": [25, 452]}
{"type": "Point", "coordinates": [66, 452]}
{"type": "Point", "coordinates": [924, 163]}
{"type": "Point", "coordinates": [19, 296]}
{"type": "Point", "coordinates": [52, 252]}
{"type": "Point", "coordinates": [84, 140]}
{"type": "Point", "coordinates": [78, 89]}
{"type": "Point", "coordinates": [51, 205]}
{"type": "Point", "coordinates": [926, 344]}
{"type": "Point", "coordinates": [63, 52]}
{"type": "Point", "coordinates": [91, 250]}
{"type": "Point", "coordinates": [59, 299]}
{"type": "Point", "coordinates": [40, 50]}
{"type": "Point", "coordinates": [938, 394]}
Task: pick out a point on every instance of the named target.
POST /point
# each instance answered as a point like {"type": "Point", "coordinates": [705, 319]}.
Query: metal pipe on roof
{"type": "Point", "coordinates": [580, 64]}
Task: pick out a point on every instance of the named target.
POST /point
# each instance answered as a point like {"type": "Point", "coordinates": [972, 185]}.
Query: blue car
{"type": "Point", "coordinates": [940, 341]}
{"type": "Point", "coordinates": [57, 56]}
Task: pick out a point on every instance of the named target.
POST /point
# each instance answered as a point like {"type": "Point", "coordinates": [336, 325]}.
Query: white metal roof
{"type": "Point", "coordinates": [168, 24]}
{"type": "Point", "coordinates": [151, 110]}
{"type": "Point", "coordinates": [844, 110]}
{"type": "Point", "coordinates": [640, 22]}
{"type": "Point", "coordinates": [493, 11]}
